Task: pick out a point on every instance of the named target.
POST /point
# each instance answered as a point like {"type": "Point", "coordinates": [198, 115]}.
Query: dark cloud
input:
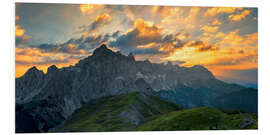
{"type": "Point", "coordinates": [197, 43]}
{"type": "Point", "coordinates": [146, 51]}
{"type": "Point", "coordinates": [169, 38]}
{"type": "Point", "coordinates": [19, 41]}
{"type": "Point", "coordinates": [141, 34]}
{"type": "Point", "coordinates": [74, 46]}
{"type": "Point", "coordinates": [207, 48]}
{"type": "Point", "coordinates": [116, 34]}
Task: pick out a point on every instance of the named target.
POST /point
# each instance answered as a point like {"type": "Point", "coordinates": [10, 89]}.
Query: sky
{"type": "Point", "coordinates": [223, 39]}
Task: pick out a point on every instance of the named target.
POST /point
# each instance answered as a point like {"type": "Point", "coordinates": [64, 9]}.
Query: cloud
{"type": "Point", "coordinates": [80, 45]}
{"type": "Point", "coordinates": [251, 38]}
{"type": "Point", "coordinates": [211, 29]}
{"type": "Point", "coordinates": [234, 39]}
{"type": "Point", "coordinates": [99, 22]}
{"type": "Point", "coordinates": [17, 18]}
{"type": "Point", "coordinates": [143, 33]}
{"type": "Point", "coordinates": [34, 56]}
{"type": "Point", "coordinates": [66, 53]}
{"type": "Point", "coordinates": [238, 17]}
{"type": "Point", "coordinates": [20, 37]}
{"type": "Point", "coordinates": [163, 10]}
{"type": "Point", "coordinates": [18, 31]}
{"type": "Point", "coordinates": [220, 10]}
{"type": "Point", "coordinates": [184, 36]}
{"type": "Point", "coordinates": [209, 47]}
{"type": "Point", "coordinates": [216, 22]}
{"type": "Point", "coordinates": [201, 46]}
{"type": "Point", "coordinates": [90, 8]}
{"type": "Point", "coordinates": [21, 40]}
{"type": "Point", "coordinates": [193, 12]}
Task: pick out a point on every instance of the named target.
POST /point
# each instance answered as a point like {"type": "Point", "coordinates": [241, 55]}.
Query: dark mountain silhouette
{"type": "Point", "coordinates": [58, 93]}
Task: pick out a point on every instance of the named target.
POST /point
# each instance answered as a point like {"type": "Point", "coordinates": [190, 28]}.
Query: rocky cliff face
{"type": "Point", "coordinates": [110, 73]}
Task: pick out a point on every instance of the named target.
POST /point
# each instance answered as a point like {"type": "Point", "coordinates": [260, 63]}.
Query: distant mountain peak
{"type": "Point", "coordinates": [51, 69]}
{"type": "Point", "coordinates": [102, 51]}
{"type": "Point", "coordinates": [32, 70]}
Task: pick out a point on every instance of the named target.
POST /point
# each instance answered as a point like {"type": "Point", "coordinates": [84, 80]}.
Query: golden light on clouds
{"type": "Point", "coordinates": [103, 17]}
{"type": "Point", "coordinates": [163, 10]}
{"type": "Point", "coordinates": [240, 16]}
{"type": "Point", "coordinates": [220, 38]}
{"type": "Point", "coordinates": [220, 10]}
{"type": "Point", "coordinates": [18, 31]}
{"type": "Point", "coordinates": [17, 18]}
{"type": "Point", "coordinates": [89, 8]}
{"type": "Point", "coordinates": [211, 29]}
{"type": "Point", "coordinates": [147, 28]}
{"type": "Point", "coordinates": [28, 57]}
{"type": "Point", "coordinates": [150, 45]}
{"type": "Point", "coordinates": [216, 22]}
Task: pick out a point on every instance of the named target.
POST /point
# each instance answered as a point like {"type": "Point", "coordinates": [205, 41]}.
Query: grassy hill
{"type": "Point", "coordinates": [142, 112]}
{"type": "Point", "coordinates": [203, 118]}
{"type": "Point", "coordinates": [117, 113]}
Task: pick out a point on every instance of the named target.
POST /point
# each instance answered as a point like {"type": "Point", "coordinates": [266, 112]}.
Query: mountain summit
{"type": "Point", "coordinates": [108, 73]}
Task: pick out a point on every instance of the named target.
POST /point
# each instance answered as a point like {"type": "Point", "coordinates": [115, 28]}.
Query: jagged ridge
{"type": "Point", "coordinates": [108, 73]}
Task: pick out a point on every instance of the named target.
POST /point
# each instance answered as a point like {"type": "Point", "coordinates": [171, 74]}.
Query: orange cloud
{"type": "Point", "coordinates": [220, 10]}
{"type": "Point", "coordinates": [18, 31]}
{"type": "Point", "coordinates": [17, 18]}
{"type": "Point", "coordinates": [89, 8]}
{"type": "Point", "coordinates": [150, 45]}
{"type": "Point", "coordinates": [216, 22]}
{"type": "Point", "coordinates": [207, 28]}
{"type": "Point", "coordinates": [182, 36]}
{"type": "Point", "coordinates": [193, 12]}
{"type": "Point", "coordinates": [101, 18]}
{"type": "Point", "coordinates": [147, 29]}
{"type": "Point", "coordinates": [163, 10]}
{"type": "Point", "coordinates": [28, 57]}
{"type": "Point", "coordinates": [240, 16]}
{"type": "Point", "coordinates": [251, 38]}
{"type": "Point", "coordinates": [234, 39]}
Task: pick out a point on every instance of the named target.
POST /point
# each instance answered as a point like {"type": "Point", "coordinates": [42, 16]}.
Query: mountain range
{"type": "Point", "coordinates": [107, 83]}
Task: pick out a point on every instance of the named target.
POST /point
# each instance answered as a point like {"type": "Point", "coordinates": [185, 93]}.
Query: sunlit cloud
{"type": "Point", "coordinates": [211, 29]}
{"type": "Point", "coordinates": [89, 8]}
{"type": "Point", "coordinates": [18, 31]}
{"type": "Point", "coordinates": [220, 38]}
{"type": "Point", "coordinates": [163, 10]}
{"type": "Point", "coordinates": [220, 10]}
{"type": "Point", "coordinates": [99, 22]}
{"type": "Point", "coordinates": [240, 16]}
{"type": "Point", "coordinates": [216, 22]}
{"type": "Point", "coordinates": [17, 18]}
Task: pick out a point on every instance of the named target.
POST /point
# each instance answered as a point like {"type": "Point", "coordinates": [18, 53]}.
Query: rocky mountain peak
{"type": "Point", "coordinates": [33, 71]}
{"type": "Point", "coordinates": [51, 69]}
{"type": "Point", "coordinates": [102, 51]}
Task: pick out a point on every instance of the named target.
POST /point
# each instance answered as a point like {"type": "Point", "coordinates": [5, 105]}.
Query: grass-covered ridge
{"type": "Point", "coordinates": [142, 112]}
{"type": "Point", "coordinates": [203, 118]}
{"type": "Point", "coordinates": [117, 113]}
